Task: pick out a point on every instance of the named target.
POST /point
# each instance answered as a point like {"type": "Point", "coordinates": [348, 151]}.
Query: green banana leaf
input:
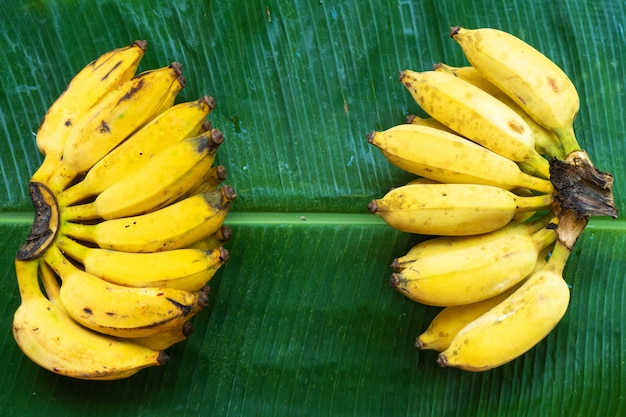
{"type": "Point", "coordinates": [302, 320]}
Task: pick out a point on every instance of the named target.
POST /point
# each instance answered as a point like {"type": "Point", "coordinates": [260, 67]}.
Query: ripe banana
{"type": "Point", "coordinates": [475, 273]}
{"type": "Point", "coordinates": [526, 75]}
{"type": "Point", "coordinates": [476, 115]}
{"type": "Point", "coordinates": [438, 245]}
{"type": "Point", "coordinates": [184, 269]}
{"type": "Point", "coordinates": [114, 118]}
{"type": "Point", "coordinates": [51, 339]}
{"type": "Point", "coordinates": [172, 125]}
{"type": "Point", "coordinates": [85, 89]}
{"type": "Point", "coordinates": [546, 141]}
{"type": "Point", "coordinates": [118, 310]}
{"type": "Point", "coordinates": [445, 157]}
{"type": "Point", "coordinates": [449, 321]}
{"type": "Point", "coordinates": [168, 175]}
{"type": "Point", "coordinates": [175, 226]}
{"type": "Point", "coordinates": [453, 209]}
{"type": "Point", "coordinates": [515, 325]}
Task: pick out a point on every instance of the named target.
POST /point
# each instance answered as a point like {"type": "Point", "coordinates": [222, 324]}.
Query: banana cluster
{"type": "Point", "coordinates": [129, 221]}
{"type": "Point", "coordinates": [486, 197]}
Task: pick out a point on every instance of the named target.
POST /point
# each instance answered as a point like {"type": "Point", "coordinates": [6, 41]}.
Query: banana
{"type": "Point", "coordinates": [51, 339]}
{"type": "Point", "coordinates": [85, 89]}
{"type": "Point", "coordinates": [169, 127]}
{"type": "Point", "coordinates": [449, 321]}
{"type": "Point", "coordinates": [546, 141]}
{"type": "Point", "coordinates": [471, 274]}
{"type": "Point", "coordinates": [515, 325]}
{"type": "Point", "coordinates": [118, 115]}
{"type": "Point", "coordinates": [526, 75]}
{"type": "Point", "coordinates": [175, 226]}
{"type": "Point", "coordinates": [218, 238]}
{"type": "Point", "coordinates": [183, 269]}
{"type": "Point", "coordinates": [166, 176]}
{"type": "Point", "coordinates": [475, 115]}
{"type": "Point", "coordinates": [45, 223]}
{"type": "Point", "coordinates": [428, 121]}
{"type": "Point", "coordinates": [209, 181]}
{"type": "Point", "coordinates": [118, 310]}
{"type": "Point", "coordinates": [167, 339]}
{"type": "Point", "coordinates": [438, 245]}
{"type": "Point", "coordinates": [445, 157]}
{"type": "Point", "coordinates": [453, 209]}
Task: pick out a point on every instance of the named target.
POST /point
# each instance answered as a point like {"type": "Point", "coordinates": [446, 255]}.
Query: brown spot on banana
{"type": "Point", "coordinates": [45, 223]}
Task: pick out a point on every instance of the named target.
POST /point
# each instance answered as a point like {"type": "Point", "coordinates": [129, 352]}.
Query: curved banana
{"type": "Point", "coordinates": [166, 176]}
{"type": "Point", "coordinates": [51, 339]}
{"type": "Point", "coordinates": [526, 75]}
{"type": "Point", "coordinates": [475, 273]}
{"type": "Point", "coordinates": [118, 310]}
{"type": "Point", "coordinates": [515, 325]}
{"type": "Point", "coordinates": [175, 226]}
{"type": "Point", "coordinates": [475, 114]}
{"type": "Point", "coordinates": [85, 89]}
{"type": "Point", "coordinates": [183, 269]}
{"type": "Point", "coordinates": [546, 141]}
{"type": "Point", "coordinates": [452, 209]}
{"type": "Point", "coordinates": [449, 321]}
{"type": "Point", "coordinates": [111, 120]}
{"type": "Point", "coordinates": [445, 157]}
{"type": "Point", "coordinates": [45, 225]}
{"type": "Point", "coordinates": [166, 339]}
{"type": "Point", "coordinates": [169, 127]}
{"type": "Point", "coordinates": [438, 245]}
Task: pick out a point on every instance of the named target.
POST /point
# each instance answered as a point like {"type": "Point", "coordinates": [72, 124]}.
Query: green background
{"type": "Point", "coordinates": [302, 320]}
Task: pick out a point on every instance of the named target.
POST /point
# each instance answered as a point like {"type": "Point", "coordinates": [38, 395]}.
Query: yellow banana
{"type": "Point", "coordinates": [118, 310]}
{"type": "Point", "coordinates": [526, 75]}
{"type": "Point", "coordinates": [85, 89]}
{"type": "Point", "coordinates": [515, 325]}
{"type": "Point", "coordinates": [51, 339]}
{"type": "Point", "coordinates": [218, 238]}
{"type": "Point", "coordinates": [452, 209]}
{"type": "Point", "coordinates": [445, 157]}
{"type": "Point", "coordinates": [468, 275]}
{"type": "Point", "coordinates": [118, 115]}
{"type": "Point", "coordinates": [210, 180]}
{"type": "Point", "coordinates": [438, 245]}
{"type": "Point", "coordinates": [175, 226]}
{"type": "Point", "coordinates": [475, 115]}
{"type": "Point", "coordinates": [167, 339]}
{"type": "Point", "coordinates": [183, 269]}
{"type": "Point", "coordinates": [546, 141]}
{"type": "Point", "coordinates": [430, 122]}
{"type": "Point", "coordinates": [449, 321]}
{"type": "Point", "coordinates": [169, 127]}
{"type": "Point", "coordinates": [166, 176]}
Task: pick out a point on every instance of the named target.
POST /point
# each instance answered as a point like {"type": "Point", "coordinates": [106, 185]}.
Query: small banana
{"type": "Point", "coordinates": [546, 141]}
{"type": "Point", "coordinates": [114, 118]}
{"type": "Point", "coordinates": [183, 269]}
{"type": "Point", "coordinates": [51, 339]}
{"type": "Point", "coordinates": [445, 157]}
{"type": "Point", "coordinates": [168, 175]}
{"type": "Point", "coordinates": [166, 339]}
{"type": "Point", "coordinates": [476, 115]}
{"type": "Point", "coordinates": [85, 89]}
{"type": "Point", "coordinates": [175, 226]}
{"type": "Point", "coordinates": [441, 244]}
{"type": "Point", "coordinates": [515, 325]}
{"type": "Point", "coordinates": [526, 75]}
{"type": "Point", "coordinates": [453, 209]}
{"type": "Point", "coordinates": [172, 125]}
{"type": "Point", "coordinates": [118, 310]}
{"type": "Point", "coordinates": [475, 273]}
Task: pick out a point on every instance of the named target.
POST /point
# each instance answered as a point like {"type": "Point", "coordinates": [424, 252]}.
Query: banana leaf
{"type": "Point", "coordinates": [302, 320]}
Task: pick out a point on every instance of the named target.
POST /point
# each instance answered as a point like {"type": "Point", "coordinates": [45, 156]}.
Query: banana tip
{"type": "Point", "coordinates": [395, 280]}
{"type": "Point", "coordinates": [163, 358]}
{"type": "Point", "coordinates": [372, 207]}
{"type": "Point", "coordinates": [402, 75]}
{"type": "Point", "coordinates": [395, 265]}
{"type": "Point", "coordinates": [442, 360]}
{"type": "Point", "coordinates": [141, 43]}
{"type": "Point", "coordinates": [210, 101]}
{"type": "Point", "coordinates": [419, 344]}
{"type": "Point", "coordinates": [224, 254]}
{"type": "Point", "coordinates": [454, 30]}
{"type": "Point", "coordinates": [370, 136]}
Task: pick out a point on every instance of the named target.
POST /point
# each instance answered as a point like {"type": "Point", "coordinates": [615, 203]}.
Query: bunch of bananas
{"type": "Point", "coordinates": [503, 189]}
{"type": "Point", "coordinates": [128, 228]}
